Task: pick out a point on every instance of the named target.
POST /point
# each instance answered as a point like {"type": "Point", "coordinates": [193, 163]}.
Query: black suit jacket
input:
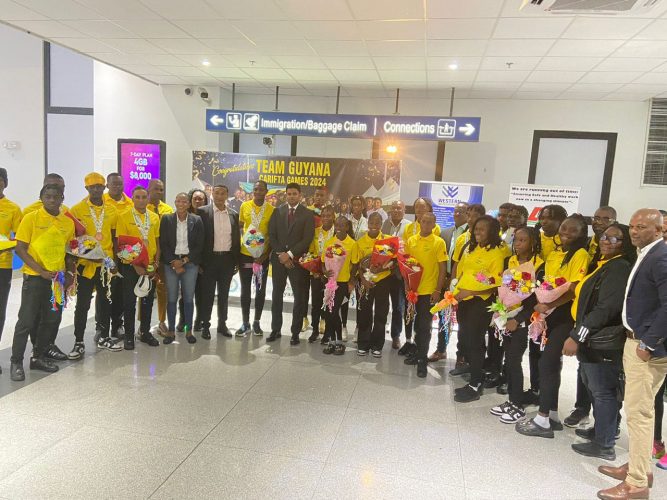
{"type": "Point", "coordinates": [646, 301]}
{"type": "Point", "coordinates": [206, 214]}
{"type": "Point", "coordinates": [168, 238]}
{"type": "Point", "coordinates": [295, 238]}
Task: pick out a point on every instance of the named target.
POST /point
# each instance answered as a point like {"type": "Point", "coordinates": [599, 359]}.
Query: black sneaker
{"type": "Point", "coordinates": [408, 349]}
{"type": "Point", "coordinates": [257, 329]}
{"type": "Point", "coordinates": [197, 326]}
{"type": "Point", "coordinates": [491, 380]}
{"type": "Point", "coordinates": [588, 434]}
{"type": "Point", "coordinates": [147, 338]}
{"type": "Point", "coordinates": [467, 394]}
{"type": "Point", "coordinates": [313, 337]}
{"type": "Point", "coordinates": [224, 331]}
{"type": "Point", "coordinates": [460, 370]}
{"type": "Point", "coordinates": [576, 418]}
{"type": "Point", "coordinates": [54, 352]}
{"type": "Point", "coordinates": [410, 360]}
{"type": "Point", "coordinates": [421, 368]}
{"type": "Point", "coordinates": [591, 449]}
{"type": "Point", "coordinates": [16, 372]}
{"type": "Point", "coordinates": [43, 365]}
{"type": "Point", "coordinates": [206, 334]}
{"type": "Point", "coordinates": [109, 345]}
{"type": "Point", "coordinates": [329, 349]}
{"type": "Point", "coordinates": [325, 340]}
{"type": "Point", "coordinates": [243, 331]}
{"type": "Point", "coordinates": [531, 398]}
{"type": "Point", "coordinates": [502, 389]}
{"type": "Point", "coordinates": [513, 414]}
{"type": "Point", "coordinates": [128, 342]}
{"type": "Point", "coordinates": [77, 351]}
{"type": "Point", "coordinates": [339, 350]}
{"type": "Point", "coordinates": [500, 409]}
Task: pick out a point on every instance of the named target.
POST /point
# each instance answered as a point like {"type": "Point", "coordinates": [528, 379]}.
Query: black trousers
{"type": "Point", "coordinates": [218, 272]}
{"type": "Point", "coordinates": [422, 323]}
{"type": "Point", "coordinates": [84, 295]}
{"type": "Point", "coordinates": [474, 319]}
{"type": "Point", "coordinates": [583, 401]}
{"type": "Point", "coordinates": [397, 296]}
{"type": "Point", "coordinates": [559, 325]}
{"type": "Point", "coordinates": [373, 311]}
{"type": "Point", "coordinates": [306, 297]}
{"type": "Point", "coordinates": [130, 278]}
{"type": "Point", "coordinates": [116, 312]}
{"type": "Point", "coordinates": [297, 277]}
{"type": "Point", "coordinates": [245, 275]}
{"type": "Point", "coordinates": [199, 300]}
{"type": "Point", "coordinates": [515, 347]}
{"type": "Point", "coordinates": [5, 287]}
{"type": "Point", "coordinates": [495, 352]}
{"type": "Point", "coordinates": [333, 329]}
{"type": "Point", "coordinates": [317, 299]}
{"type": "Point", "coordinates": [35, 318]}
{"type": "Point", "coordinates": [534, 355]}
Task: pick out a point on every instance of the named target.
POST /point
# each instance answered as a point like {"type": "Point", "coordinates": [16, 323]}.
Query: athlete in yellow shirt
{"type": "Point", "coordinates": [99, 218]}
{"type": "Point", "coordinates": [10, 218]}
{"type": "Point", "coordinates": [41, 238]}
{"type": "Point", "coordinates": [550, 219]}
{"type": "Point", "coordinates": [323, 233]}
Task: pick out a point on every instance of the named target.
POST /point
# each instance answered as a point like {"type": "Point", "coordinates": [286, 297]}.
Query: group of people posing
{"type": "Point", "coordinates": [610, 311]}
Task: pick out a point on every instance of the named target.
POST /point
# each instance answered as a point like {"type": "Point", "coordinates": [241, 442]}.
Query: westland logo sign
{"type": "Point", "coordinates": [450, 191]}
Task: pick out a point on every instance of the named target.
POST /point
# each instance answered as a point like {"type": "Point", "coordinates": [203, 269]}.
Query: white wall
{"type": "Point", "coordinates": [21, 113]}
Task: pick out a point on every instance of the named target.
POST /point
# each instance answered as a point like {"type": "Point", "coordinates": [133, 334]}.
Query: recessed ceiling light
{"type": "Point", "coordinates": [453, 66]}
{"type": "Point", "coordinates": [206, 62]}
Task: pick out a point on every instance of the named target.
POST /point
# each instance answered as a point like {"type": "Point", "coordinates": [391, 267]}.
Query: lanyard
{"type": "Point", "coordinates": [144, 227]}
{"type": "Point", "coordinates": [395, 229]}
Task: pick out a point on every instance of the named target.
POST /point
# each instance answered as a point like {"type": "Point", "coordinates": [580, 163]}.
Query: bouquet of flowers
{"type": "Point", "coordinates": [517, 285]}
{"type": "Point", "coordinates": [334, 259]}
{"type": "Point", "coordinates": [384, 252]}
{"type": "Point", "coordinates": [311, 263]}
{"type": "Point", "coordinates": [254, 242]}
{"type": "Point", "coordinates": [478, 282]}
{"type": "Point", "coordinates": [446, 304]}
{"type": "Point", "coordinates": [549, 290]}
{"type": "Point", "coordinates": [79, 228]}
{"type": "Point", "coordinates": [132, 251]}
{"type": "Point", "coordinates": [85, 247]}
{"type": "Point", "coordinates": [411, 271]}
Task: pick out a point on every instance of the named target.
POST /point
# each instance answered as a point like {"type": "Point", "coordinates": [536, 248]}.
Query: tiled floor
{"type": "Point", "coordinates": [232, 418]}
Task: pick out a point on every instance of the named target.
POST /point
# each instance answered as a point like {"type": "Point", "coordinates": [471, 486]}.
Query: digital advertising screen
{"type": "Point", "coordinates": [139, 161]}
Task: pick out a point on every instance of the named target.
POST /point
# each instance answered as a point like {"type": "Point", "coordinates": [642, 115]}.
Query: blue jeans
{"type": "Point", "coordinates": [187, 282]}
{"type": "Point", "coordinates": [602, 382]}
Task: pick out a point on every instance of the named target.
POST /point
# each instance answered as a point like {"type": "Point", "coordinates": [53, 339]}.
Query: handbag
{"type": "Point", "coordinates": [609, 338]}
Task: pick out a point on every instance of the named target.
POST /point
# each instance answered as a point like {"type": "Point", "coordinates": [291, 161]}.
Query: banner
{"type": "Point", "coordinates": [343, 177]}
{"type": "Point", "coordinates": [446, 195]}
{"type": "Point", "coordinates": [139, 161]}
{"type": "Point", "coordinates": [535, 196]}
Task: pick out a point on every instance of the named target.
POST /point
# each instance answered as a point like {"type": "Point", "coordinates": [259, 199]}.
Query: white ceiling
{"type": "Point", "coordinates": [369, 47]}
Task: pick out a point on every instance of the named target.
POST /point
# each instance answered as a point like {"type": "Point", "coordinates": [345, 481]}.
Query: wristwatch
{"type": "Point", "coordinates": [643, 347]}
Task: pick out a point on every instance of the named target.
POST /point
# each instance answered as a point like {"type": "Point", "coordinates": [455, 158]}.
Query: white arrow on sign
{"type": "Point", "coordinates": [216, 120]}
{"type": "Point", "coordinates": [467, 130]}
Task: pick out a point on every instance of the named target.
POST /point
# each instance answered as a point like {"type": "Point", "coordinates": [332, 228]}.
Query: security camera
{"type": "Point", "coordinates": [267, 141]}
{"type": "Point", "coordinates": [203, 93]}
{"type": "Point", "coordinates": [188, 91]}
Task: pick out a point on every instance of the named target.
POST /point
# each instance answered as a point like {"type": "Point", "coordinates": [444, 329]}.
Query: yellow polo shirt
{"type": "Point", "coordinates": [82, 212]}
{"type": "Point", "coordinates": [573, 271]}
{"type": "Point", "coordinates": [414, 228]}
{"type": "Point", "coordinates": [461, 240]}
{"type": "Point", "coordinates": [513, 263]}
{"type": "Point", "coordinates": [549, 244]}
{"type": "Point", "coordinates": [126, 226]}
{"type": "Point", "coordinates": [161, 209]}
{"type": "Point", "coordinates": [38, 204]}
{"type": "Point", "coordinates": [348, 244]}
{"type": "Point", "coordinates": [429, 252]}
{"type": "Point", "coordinates": [245, 219]}
{"type": "Point", "coordinates": [10, 218]}
{"type": "Point", "coordinates": [364, 248]}
{"type": "Point", "coordinates": [320, 239]}
{"type": "Point", "coordinates": [123, 204]}
{"type": "Point", "coordinates": [593, 247]}
{"type": "Point", "coordinates": [46, 236]}
{"type": "Point", "coordinates": [485, 260]}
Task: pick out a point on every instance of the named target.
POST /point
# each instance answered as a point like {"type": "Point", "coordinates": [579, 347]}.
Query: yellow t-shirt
{"type": "Point", "coordinates": [513, 263]}
{"type": "Point", "coordinates": [573, 271]}
{"type": "Point", "coordinates": [348, 243]}
{"type": "Point", "coordinates": [577, 290]}
{"type": "Point", "coordinates": [549, 244]}
{"type": "Point", "coordinates": [161, 209]}
{"type": "Point", "coordinates": [363, 248]}
{"type": "Point", "coordinates": [320, 239]}
{"type": "Point", "coordinates": [414, 228]}
{"type": "Point", "coordinates": [46, 236]}
{"type": "Point", "coordinates": [82, 212]}
{"type": "Point", "coordinates": [38, 204]}
{"type": "Point", "coordinates": [461, 240]}
{"type": "Point", "coordinates": [485, 260]}
{"type": "Point", "coordinates": [592, 247]}
{"type": "Point", "coordinates": [429, 252]}
{"type": "Point", "coordinates": [120, 206]}
{"type": "Point", "coordinates": [10, 218]}
{"type": "Point", "coordinates": [245, 220]}
{"type": "Point", "coordinates": [126, 226]}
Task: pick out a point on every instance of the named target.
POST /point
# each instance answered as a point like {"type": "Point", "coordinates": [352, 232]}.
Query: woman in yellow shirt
{"type": "Point", "coordinates": [346, 282]}
{"type": "Point", "coordinates": [568, 261]}
{"type": "Point", "coordinates": [322, 234]}
{"type": "Point", "coordinates": [549, 220]}
{"type": "Point", "coordinates": [478, 276]}
{"type": "Point", "coordinates": [10, 218]}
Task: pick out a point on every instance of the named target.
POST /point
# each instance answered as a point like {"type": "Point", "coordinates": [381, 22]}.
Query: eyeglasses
{"type": "Point", "coordinates": [611, 239]}
{"type": "Point", "coordinates": [603, 219]}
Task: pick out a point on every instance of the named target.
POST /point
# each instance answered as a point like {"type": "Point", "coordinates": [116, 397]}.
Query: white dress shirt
{"type": "Point", "coordinates": [641, 254]}
{"type": "Point", "coordinates": [222, 230]}
{"type": "Point", "coordinates": [182, 236]}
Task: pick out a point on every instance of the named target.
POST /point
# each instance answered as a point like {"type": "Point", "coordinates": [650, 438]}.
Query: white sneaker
{"type": "Point", "coordinates": [513, 414]}
{"type": "Point", "coordinates": [500, 409]}
{"type": "Point", "coordinates": [344, 333]}
{"type": "Point", "coordinates": [375, 353]}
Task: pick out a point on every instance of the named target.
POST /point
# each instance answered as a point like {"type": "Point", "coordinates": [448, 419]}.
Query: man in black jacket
{"type": "Point", "coordinates": [644, 356]}
{"type": "Point", "coordinates": [222, 246]}
{"type": "Point", "coordinates": [291, 231]}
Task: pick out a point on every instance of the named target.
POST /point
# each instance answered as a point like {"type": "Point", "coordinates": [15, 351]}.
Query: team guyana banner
{"type": "Point", "coordinates": [344, 177]}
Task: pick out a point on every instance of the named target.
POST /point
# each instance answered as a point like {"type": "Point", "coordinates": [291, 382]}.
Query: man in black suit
{"type": "Point", "coordinates": [222, 247]}
{"type": "Point", "coordinates": [644, 356]}
{"type": "Point", "coordinates": [291, 230]}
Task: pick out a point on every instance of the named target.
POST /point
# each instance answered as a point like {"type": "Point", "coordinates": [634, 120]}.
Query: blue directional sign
{"type": "Point", "coordinates": [424, 128]}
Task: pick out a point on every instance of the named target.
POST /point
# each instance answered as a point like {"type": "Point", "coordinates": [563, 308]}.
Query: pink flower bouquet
{"type": "Point", "coordinates": [334, 259]}
{"type": "Point", "coordinates": [549, 290]}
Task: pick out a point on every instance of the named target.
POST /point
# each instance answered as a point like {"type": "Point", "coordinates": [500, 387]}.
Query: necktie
{"type": "Point", "coordinates": [290, 217]}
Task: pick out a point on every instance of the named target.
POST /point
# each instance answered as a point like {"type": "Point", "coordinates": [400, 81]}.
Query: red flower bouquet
{"type": "Point", "coordinates": [384, 252]}
{"type": "Point", "coordinates": [131, 250]}
{"type": "Point", "coordinates": [311, 263]}
{"type": "Point", "coordinates": [411, 271]}
{"type": "Point", "coordinates": [549, 290]}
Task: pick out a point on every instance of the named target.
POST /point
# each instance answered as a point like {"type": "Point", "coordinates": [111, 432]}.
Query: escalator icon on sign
{"type": "Point", "coordinates": [251, 122]}
{"type": "Point", "coordinates": [233, 121]}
